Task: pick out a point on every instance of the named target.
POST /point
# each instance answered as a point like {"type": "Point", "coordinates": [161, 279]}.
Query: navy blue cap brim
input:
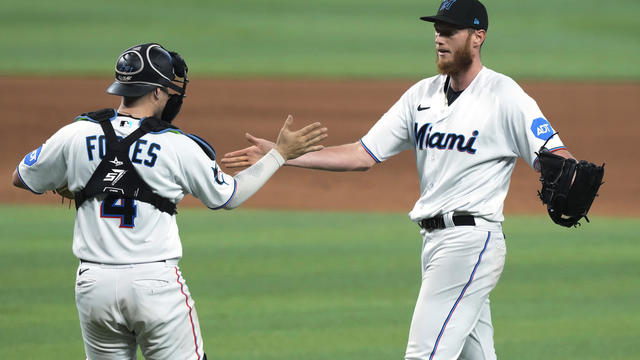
{"type": "Point", "coordinates": [448, 20]}
{"type": "Point", "coordinates": [444, 19]}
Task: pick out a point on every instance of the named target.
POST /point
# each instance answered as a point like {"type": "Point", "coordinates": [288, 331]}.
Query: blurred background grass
{"type": "Point", "coordinates": [315, 285]}
{"type": "Point", "coordinates": [562, 39]}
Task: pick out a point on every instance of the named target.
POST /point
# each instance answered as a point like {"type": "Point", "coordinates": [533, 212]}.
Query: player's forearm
{"type": "Point", "coordinates": [347, 157]}
{"type": "Point", "coordinates": [250, 180]}
{"type": "Point", "coordinates": [564, 153]}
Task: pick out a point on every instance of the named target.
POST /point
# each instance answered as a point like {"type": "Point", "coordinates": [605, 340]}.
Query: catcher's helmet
{"type": "Point", "coordinates": [144, 67]}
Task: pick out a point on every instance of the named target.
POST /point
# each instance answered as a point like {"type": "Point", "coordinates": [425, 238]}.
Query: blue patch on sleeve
{"type": "Point", "coordinates": [541, 128]}
{"type": "Point", "coordinates": [32, 157]}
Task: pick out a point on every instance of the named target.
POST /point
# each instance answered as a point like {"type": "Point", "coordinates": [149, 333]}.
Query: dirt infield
{"type": "Point", "coordinates": [598, 122]}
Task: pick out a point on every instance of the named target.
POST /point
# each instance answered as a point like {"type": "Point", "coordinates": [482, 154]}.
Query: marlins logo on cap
{"type": "Point", "coordinates": [462, 13]}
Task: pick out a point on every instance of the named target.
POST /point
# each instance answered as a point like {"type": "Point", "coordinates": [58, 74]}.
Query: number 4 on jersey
{"type": "Point", "coordinates": [119, 208]}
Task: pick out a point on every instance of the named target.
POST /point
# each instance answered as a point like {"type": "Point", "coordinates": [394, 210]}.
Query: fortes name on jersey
{"type": "Point", "coordinates": [424, 139]}
{"type": "Point", "coordinates": [143, 153]}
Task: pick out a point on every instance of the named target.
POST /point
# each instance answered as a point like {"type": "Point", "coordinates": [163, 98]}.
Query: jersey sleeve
{"type": "Point", "coordinates": [391, 134]}
{"type": "Point", "coordinates": [201, 176]}
{"type": "Point", "coordinates": [45, 168]}
{"type": "Point", "coordinates": [527, 127]}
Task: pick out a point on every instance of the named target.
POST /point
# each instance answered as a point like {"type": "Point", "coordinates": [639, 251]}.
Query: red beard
{"type": "Point", "coordinates": [461, 61]}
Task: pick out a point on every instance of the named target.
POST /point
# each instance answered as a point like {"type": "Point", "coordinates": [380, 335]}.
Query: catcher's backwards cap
{"type": "Point", "coordinates": [463, 13]}
{"type": "Point", "coordinates": [142, 68]}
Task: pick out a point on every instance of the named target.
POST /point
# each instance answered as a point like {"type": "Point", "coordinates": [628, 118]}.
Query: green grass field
{"type": "Point", "coordinates": [574, 39]}
{"type": "Point", "coordinates": [315, 285]}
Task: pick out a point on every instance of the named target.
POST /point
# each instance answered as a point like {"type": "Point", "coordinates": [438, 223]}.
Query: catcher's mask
{"type": "Point", "coordinates": [142, 68]}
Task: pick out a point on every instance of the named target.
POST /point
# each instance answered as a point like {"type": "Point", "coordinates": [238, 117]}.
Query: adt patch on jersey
{"type": "Point", "coordinates": [32, 157]}
{"type": "Point", "coordinates": [541, 128]}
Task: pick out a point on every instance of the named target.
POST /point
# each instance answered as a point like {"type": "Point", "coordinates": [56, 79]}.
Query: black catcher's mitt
{"type": "Point", "coordinates": [568, 202]}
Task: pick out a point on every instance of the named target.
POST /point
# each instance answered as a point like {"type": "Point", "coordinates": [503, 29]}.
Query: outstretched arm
{"type": "Point", "coordinates": [347, 157]}
{"type": "Point", "coordinates": [290, 145]}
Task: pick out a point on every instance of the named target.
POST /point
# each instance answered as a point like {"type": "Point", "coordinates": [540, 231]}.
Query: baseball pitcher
{"type": "Point", "coordinates": [466, 126]}
{"type": "Point", "coordinates": [127, 169]}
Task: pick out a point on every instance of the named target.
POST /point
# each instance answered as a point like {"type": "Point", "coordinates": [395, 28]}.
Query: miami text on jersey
{"type": "Point", "coordinates": [443, 141]}
{"type": "Point", "coordinates": [138, 147]}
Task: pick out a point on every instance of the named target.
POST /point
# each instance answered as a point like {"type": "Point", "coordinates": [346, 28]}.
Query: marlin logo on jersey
{"type": "Point", "coordinates": [218, 175]}
{"type": "Point", "coordinates": [443, 141]}
{"type": "Point", "coordinates": [114, 176]}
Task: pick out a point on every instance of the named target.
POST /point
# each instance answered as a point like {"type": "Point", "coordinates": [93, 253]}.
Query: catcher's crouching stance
{"type": "Point", "coordinates": [568, 186]}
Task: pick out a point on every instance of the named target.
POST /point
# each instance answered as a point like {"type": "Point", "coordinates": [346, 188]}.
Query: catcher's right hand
{"type": "Point", "coordinates": [248, 156]}
{"type": "Point", "coordinates": [291, 144]}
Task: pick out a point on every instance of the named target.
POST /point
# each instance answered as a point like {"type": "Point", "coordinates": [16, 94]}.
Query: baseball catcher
{"type": "Point", "coordinates": [127, 169]}
{"type": "Point", "coordinates": [568, 186]}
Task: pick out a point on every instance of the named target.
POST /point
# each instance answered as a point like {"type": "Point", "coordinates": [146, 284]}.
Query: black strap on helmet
{"type": "Point", "coordinates": [116, 176]}
{"type": "Point", "coordinates": [174, 104]}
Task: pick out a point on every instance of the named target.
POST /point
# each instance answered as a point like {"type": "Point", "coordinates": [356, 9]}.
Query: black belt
{"type": "Point", "coordinates": [97, 263]}
{"type": "Point", "coordinates": [437, 222]}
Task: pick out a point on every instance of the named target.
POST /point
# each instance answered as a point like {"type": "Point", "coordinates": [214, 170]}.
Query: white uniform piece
{"type": "Point", "coordinates": [129, 289]}
{"type": "Point", "coordinates": [465, 154]}
{"type": "Point", "coordinates": [171, 163]}
{"type": "Point", "coordinates": [148, 304]}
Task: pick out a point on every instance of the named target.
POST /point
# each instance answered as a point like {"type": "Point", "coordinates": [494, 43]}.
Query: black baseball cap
{"type": "Point", "coordinates": [462, 13]}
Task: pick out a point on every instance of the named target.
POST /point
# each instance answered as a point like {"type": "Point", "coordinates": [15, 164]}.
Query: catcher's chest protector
{"type": "Point", "coordinates": [115, 175]}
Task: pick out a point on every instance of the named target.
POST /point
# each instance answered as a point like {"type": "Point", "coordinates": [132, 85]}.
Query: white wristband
{"type": "Point", "coordinates": [277, 156]}
{"type": "Point", "coordinates": [253, 178]}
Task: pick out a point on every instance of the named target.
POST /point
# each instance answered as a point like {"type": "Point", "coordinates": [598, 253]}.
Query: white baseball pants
{"type": "Point", "coordinates": [123, 306]}
{"type": "Point", "coordinates": [452, 318]}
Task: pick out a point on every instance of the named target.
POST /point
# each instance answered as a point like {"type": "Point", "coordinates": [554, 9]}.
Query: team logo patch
{"type": "Point", "coordinates": [218, 176]}
{"type": "Point", "coordinates": [447, 4]}
{"type": "Point", "coordinates": [541, 128]}
{"type": "Point", "coordinates": [32, 157]}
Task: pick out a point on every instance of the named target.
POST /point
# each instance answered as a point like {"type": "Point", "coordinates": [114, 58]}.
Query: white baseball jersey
{"type": "Point", "coordinates": [171, 163]}
{"type": "Point", "coordinates": [465, 152]}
